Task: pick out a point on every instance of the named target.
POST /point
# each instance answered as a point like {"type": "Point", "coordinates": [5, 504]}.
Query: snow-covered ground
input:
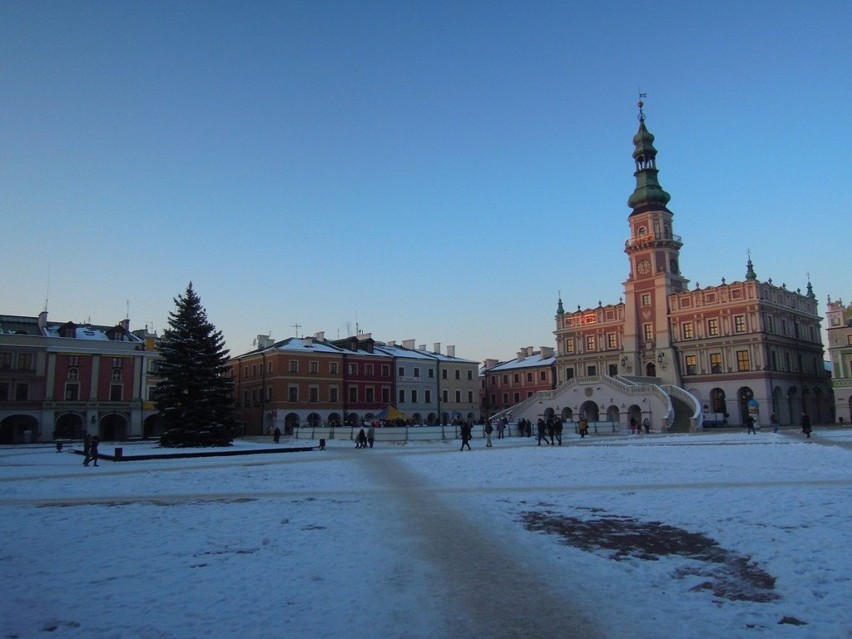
{"type": "Point", "coordinates": [702, 535]}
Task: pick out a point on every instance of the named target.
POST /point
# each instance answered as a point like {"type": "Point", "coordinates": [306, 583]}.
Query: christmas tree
{"type": "Point", "coordinates": [194, 396]}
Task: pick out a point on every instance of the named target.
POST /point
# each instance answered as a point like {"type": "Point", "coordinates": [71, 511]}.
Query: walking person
{"type": "Point", "coordinates": [806, 424]}
{"type": "Point", "coordinates": [371, 435]}
{"type": "Point", "coordinates": [774, 420]}
{"type": "Point", "coordinates": [633, 425]}
{"type": "Point", "coordinates": [647, 424]}
{"type": "Point", "coordinates": [488, 430]}
{"type": "Point", "coordinates": [551, 430]}
{"type": "Point", "coordinates": [583, 427]}
{"type": "Point", "coordinates": [93, 449]}
{"type": "Point", "coordinates": [466, 434]}
{"type": "Point", "coordinates": [541, 431]}
{"type": "Point", "coordinates": [557, 429]}
{"type": "Point", "coordinates": [750, 423]}
{"type": "Point", "coordinates": [276, 435]}
{"type": "Point", "coordinates": [87, 449]}
{"type": "Point", "coordinates": [501, 426]}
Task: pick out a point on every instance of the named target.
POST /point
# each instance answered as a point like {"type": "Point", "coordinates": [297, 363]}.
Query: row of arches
{"type": "Point", "coordinates": [787, 405]}
{"type": "Point", "coordinates": [24, 429]}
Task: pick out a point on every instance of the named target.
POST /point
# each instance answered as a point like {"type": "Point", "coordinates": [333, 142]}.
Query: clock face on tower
{"type": "Point", "coordinates": [644, 267]}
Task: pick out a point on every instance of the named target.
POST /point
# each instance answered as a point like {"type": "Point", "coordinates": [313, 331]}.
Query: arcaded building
{"type": "Point", "coordinates": [736, 347]}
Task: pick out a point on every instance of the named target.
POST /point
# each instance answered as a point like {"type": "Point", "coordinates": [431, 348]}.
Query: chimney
{"type": "Point", "coordinates": [436, 348]}
{"type": "Point", "coordinates": [490, 363]}
{"type": "Point", "coordinates": [422, 347]}
{"type": "Point", "coordinates": [451, 351]}
{"type": "Point", "coordinates": [546, 352]}
{"type": "Point", "coordinates": [530, 351]}
{"type": "Point", "coordinates": [125, 324]}
{"type": "Point", "coordinates": [392, 342]}
{"type": "Point", "coordinates": [309, 341]}
{"type": "Point", "coordinates": [408, 343]}
{"type": "Point", "coordinates": [42, 319]}
{"type": "Point", "coordinates": [264, 341]}
{"type": "Point", "coordinates": [522, 354]}
{"type": "Point", "coordinates": [319, 336]}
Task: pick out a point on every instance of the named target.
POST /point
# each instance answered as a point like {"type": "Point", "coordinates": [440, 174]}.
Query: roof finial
{"type": "Point", "coordinates": [641, 104]}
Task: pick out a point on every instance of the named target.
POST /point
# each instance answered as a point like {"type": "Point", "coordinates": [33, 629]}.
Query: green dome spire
{"type": "Point", "coordinates": [648, 194]}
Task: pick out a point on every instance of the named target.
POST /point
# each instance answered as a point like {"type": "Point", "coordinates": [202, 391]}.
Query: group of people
{"type": "Point", "coordinates": [365, 438]}
{"type": "Point", "coordinates": [636, 427]}
{"type": "Point", "coordinates": [550, 431]}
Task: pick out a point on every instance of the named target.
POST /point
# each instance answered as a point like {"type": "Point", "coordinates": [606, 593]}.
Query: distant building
{"type": "Point", "coordinates": [312, 381]}
{"type": "Point", "coordinates": [64, 380]}
{"type": "Point", "coordinates": [683, 357]}
{"type": "Point", "coordinates": [839, 329]}
{"type": "Point", "coordinates": [505, 384]}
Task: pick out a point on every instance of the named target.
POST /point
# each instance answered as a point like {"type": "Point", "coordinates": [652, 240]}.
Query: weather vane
{"type": "Point", "coordinates": [641, 104]}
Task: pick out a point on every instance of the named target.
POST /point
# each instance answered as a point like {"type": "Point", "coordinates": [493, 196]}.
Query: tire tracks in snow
{"type": "Point", "coordinates": [485, 588]}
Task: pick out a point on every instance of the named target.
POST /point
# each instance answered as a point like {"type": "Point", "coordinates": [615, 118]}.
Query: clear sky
{"type": "Point", "coordinates": [438, 171]}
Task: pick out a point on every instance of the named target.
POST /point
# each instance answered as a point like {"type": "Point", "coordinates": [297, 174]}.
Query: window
{"type": "Point", "coordinates": [445, 396]}
{"type": "Point", "coordinates": [592, 370]}
{"type": "Point", "coordinates": [569, 374]}
{"type": "Point", "coordinates": [73, 360]}
{"type": "Point", "coordinates": [743, 362]}
{"type": "Point", "coordinates": [369, 395]}
{"type": "Point", "coordinates": [4, 392]}
{"type": "Point", "coordinates": [401, 371]}
{"type": "Point", "coordinates": [431, 373]}
{"type": "Point", "coordinates": [117, 362]}
{"type": "Point", "coordinates": [646, 299]}
{"type": "Point", "coordinates": [5, 360]}
{"type": "Point", "coordinates": [505, 379]}
{"type": "Point", "coordinates": [713, 327]}
{"type": "Point", "coordinates": [72, 392]}
{"type": "Point", "coordinates": [353, 368]}
{"type": "Point", "coordinates": [22, 392]}
{"type": "Point", "coordinates": [516, 378]}
{"type": "Point", "coordinates": [401, 395]}
{"type": "Point", "coordinates": [386, 395]}
{"type": "Point", "coordinates": [269, 394]}
{"type": "Point", "coordinates": [25, 361]}
{"type": "Point", "coordinates": [648, 331]}
{"type": "Point", "coordinates": [428, 398]}
{"type": "Point", "coordinates": [470, 375]}
{"type": "Point", "coordinates": [313, 394]}
{"type": "Point", "coordinates": [470, 397]}
{"type": "Point", "coordinates": [505, 399]}
{"type": "Point", "coordinates": [385, 370]}
{"type": "Point", "coordinates": [739, 324]}
{"type": "Point", "coordinates": [458, 374]}
{"type": "Point", "coordinates": [73, 374]}
{"type": "Point", "coordinates": [332, 368]}
{"type": "Point", "coordinates": [444, 374]}
{"type": "Point", "coordinates": [691, 365]}
{"type": "Point", "coordinates": [353, 393]}
{"type": "Point", "coordinates": [293, 394]}
{"type": "Point", "coordinates": [542, 375]}
{"type": "Point", "coordinates": [715, 362]}
{"type": "Point", "coordinates": [613, 370]}
{"type": "Point", "coordinates": [413, 396]}
{"type": "Point", "coordinates": [590, 342]}
{"type": "Point", "coordinates": [268, 367]}
{"type": "Point", "coordinates": [516, 398]}
{"type": "Point", "coordinates": [368, 370]}
{"type": "Point", "coordinates": [333, 394]}
{"type": "Point", "coordinates": [687, 330]}
{"type": "Point", "coordinates": [529, 376]}
{"type": "Point", "coordinates": [313, 367]}
{"type": "Point", "coordinates": [115, 391]}
{"type": "Point", "coordinates": [717, 399]}
{"type": "Point", "coordinates": [769, 324]}
{"type": "Point", "coordinates": [611, 340]}
{"type": "Point", "coordinates": [116, 374]}
{"type": "Point", "coordinates": [294, 366]}
{"type": "Point", "coordinates": [458, 397]}
{"type": "Point", "coordinates": [416, 371]}
{"type": "Point", "coordinates": [569, 345]}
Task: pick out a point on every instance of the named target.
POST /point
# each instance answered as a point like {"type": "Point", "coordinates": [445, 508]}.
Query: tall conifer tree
{"type": "Point", "coordinates": [194, 396]}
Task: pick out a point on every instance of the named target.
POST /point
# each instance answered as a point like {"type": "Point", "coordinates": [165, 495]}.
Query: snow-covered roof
{"type": "Point", "coordinates": [404, 353]}
{"type": "Point", "coordinates": [530, 361]}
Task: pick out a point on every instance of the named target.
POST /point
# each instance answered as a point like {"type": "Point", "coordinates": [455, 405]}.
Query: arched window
{"type": "Point", "coordinates": [717, 399]}
{"type": "Point", "coordinates": [73, 374]}
{"type": "Point", "coordinates": [116, 374]}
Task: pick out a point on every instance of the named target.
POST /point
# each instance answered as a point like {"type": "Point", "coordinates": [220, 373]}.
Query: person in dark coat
{"type": "Point", "coordinates": [466, 434]}
{"type": "Point", "coordinates": [276, 435]}
{"type": "Point", "coordinates": [750, 423]}
{"type": "Point", "coordinates": [93, 449]}
{"type": "Point", "coordinates": [557, 429]}
{"type": "Point", "coordinates": [806, 424]}
{"type": "Point", "coordinates": [371, 435]}
{"type": "Point", "coordinates": [541, 431]}
{"type": "Point", "coordinates": [87, 449]}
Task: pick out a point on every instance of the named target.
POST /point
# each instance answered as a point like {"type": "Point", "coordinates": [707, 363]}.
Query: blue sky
{"type": "Point", "coordinates": [430, 170]}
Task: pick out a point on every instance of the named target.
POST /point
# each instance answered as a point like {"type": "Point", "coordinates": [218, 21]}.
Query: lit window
{"type": "Point", "coordinates": [687, 330]}
{"type": "Point", "coordinates": [590, 343]}
{"type": "Point", "coordinates": [743, 361]}
{"type": "Point", "coordinates": [715, 362]}
{"type": "Point", "coordinates": [713, 327]}
{"type": "Point", "coordinates": [739, 324]}
{"type": "Point", "coordinates": [691, 365]}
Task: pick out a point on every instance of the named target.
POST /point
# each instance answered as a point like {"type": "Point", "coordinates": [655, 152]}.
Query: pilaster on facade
{"type": "Point", "coordinates": [839, 329]}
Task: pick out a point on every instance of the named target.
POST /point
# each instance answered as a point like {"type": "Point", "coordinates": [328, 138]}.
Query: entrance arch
{"type": "Point", "coordinates": [69, 426]}
{"type": "Point", "coordinates": [153, 426]}
{"type": "Point", "coordinates": [114, 427]}
{"type": "Point", "coordinates": [18, 429]}
{"type": "Point", "coordinates": [744, 396]}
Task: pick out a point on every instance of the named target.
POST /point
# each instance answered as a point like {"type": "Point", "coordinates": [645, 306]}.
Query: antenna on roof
{"type": "Point", "coordinates": [297, 326]}
{"type": "Point", "coordinates": [128, 310]}
{"type": "Point", "coordinates": [47, 293]}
